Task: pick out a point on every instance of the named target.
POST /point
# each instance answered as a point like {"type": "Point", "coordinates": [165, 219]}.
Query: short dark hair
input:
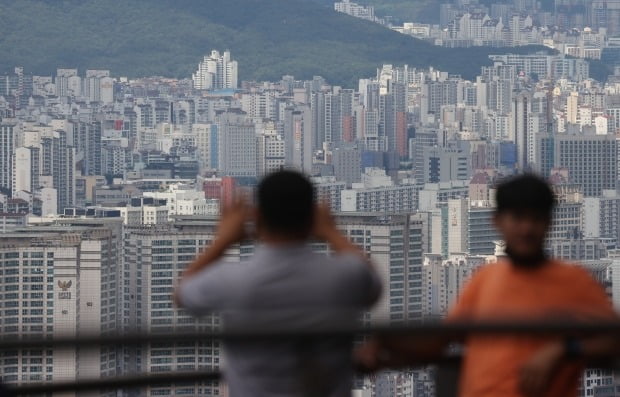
{"type": "Point", "coordinates": [526, 192]}
{"type": "Point", "coordinates": [286, 203]}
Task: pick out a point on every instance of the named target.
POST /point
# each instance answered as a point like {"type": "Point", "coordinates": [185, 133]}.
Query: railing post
{"type": "Point", "coordinates": [447, 377]}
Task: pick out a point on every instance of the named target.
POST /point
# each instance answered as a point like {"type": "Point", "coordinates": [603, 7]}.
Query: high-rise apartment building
{"type": "Point", "coordinates": [206, 143]}
{"type": "Point", "coordinates": [355, 10]}
{"type": "Point", "coordinates": [601, 216]}
{"type": "Point", "coordinates": [481, 230]}
{"type": "Point", "coordinates": [99, 86]}
{"type": "Point", "coordinates": [470, 227]}
{"type": "Point", "coordinates": [606, 14]}
{"type": "Point", "coordinates": [216, 72]}
{"type": "Point", "coordinates": [26, 169]}
{"type": "Point", "coordinates": [395, 245]}
{"type": "Point", "coordinates": [546, 66]}
{"type": "Point", "coordinates": [298, 127]}
{"type": "Point", "coordinates": [154, 259]}
{"type": "Point", "coordinates": [68, 83]}
{"type": "Point", "coordinates": [521, 110]}
{"type": "Point", "coordinates": [328, 190]}
{"type": "Point", "coordinates": [444, 280]}
{"type": "Point", "coordinates": [58, 167]}
{"type": "Point", "coordinates": [567, 217]}
{"type": "Point", "coordinates": [88, 141]}
{"type": "Point", "coordinates": [8, 136]}
{"type": "Point", "coordinates": [377, 193]}
{"type": "Point", "coordinates": [60, 281]}
{"type": "Point", "coordinates": [434, 194]}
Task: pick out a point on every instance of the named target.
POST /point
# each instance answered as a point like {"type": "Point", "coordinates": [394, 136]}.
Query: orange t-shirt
{"type": "Point", "coordinates": [504, 292]}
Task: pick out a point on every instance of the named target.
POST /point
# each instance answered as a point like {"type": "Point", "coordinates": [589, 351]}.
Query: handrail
{"type": "Point", "coordinates": [420, 330]}
{"type": "Point", "coordinates": [119, 382]}
{"type": "Point", "coordinates": [544, 328]}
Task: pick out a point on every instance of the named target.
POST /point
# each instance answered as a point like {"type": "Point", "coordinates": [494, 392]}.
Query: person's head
{"type": "Point", "coordinates": [285, 206]}
{"type": "Point", "coordinates": [524, 209]}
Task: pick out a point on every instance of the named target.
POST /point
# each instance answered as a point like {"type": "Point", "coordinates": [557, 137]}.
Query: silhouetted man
{"type": "Point", "coordinates": [528, 286]}
{"type": "Point", "coordinates": [284, 285]}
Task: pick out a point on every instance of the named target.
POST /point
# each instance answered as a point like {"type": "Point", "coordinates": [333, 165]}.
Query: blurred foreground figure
{"type": "Point", "coordinates": [284, 286]}
{"type": "Point", "coordinates": [528, 286]}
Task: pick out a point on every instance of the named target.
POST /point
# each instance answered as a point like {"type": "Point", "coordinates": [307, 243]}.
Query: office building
{"type": "Point", "coordinates": [591, 159]}
{"type": "Point", "coordinates": [347, 162]}
{"type": "Point", "coordinates": [444, 165]}
{"type": "Point", "coordinates": [236, 145]}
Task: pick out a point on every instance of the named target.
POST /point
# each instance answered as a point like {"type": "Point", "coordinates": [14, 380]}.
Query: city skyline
{"type": "Point", "coordinates": [110, 186]}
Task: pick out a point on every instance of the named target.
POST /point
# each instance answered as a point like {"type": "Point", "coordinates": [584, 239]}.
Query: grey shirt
{"type": "Point", "coordinates": [294, 289]}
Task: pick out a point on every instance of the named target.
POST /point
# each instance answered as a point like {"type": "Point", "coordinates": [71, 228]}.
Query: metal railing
{"type": "Point", "coordinates": [448, 364]}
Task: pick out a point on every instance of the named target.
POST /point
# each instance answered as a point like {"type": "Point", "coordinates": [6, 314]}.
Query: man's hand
{"type": "Point", "coordinates": [535, 375]}
{"type": "Point", "coordinates": [325, 229]}
{"type": "Point", "coordinates": [324, 226]}
{"type": "Point", "coordinates": [231, 228]}
{"type": "Point", "coordinates": [367, 356]}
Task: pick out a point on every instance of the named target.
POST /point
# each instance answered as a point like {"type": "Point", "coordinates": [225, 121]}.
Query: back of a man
{"type": "Point", "coordinates": [284, 287]}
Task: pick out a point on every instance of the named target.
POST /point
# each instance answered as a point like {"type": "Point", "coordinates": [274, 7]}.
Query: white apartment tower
{"type": "Point", "coordinates": [216, 72]}
{"type": "Point", "coordinates": [99, 86]}
{"type": "Point", "coordinates": [67, 82]}
{"type": "Point", "coordinates": [26, 169]}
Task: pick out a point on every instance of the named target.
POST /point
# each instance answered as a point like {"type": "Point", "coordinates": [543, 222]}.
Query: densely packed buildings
{"type": "Point", "coordinates": [579, 28]}
{"type": "Point", "coordinates": [110, 186]}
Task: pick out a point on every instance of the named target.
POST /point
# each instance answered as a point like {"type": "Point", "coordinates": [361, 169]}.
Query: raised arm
{"type": "Point", "coordinates": [231, 230]}
{"type": "Point", "coordinates": [325, 229]}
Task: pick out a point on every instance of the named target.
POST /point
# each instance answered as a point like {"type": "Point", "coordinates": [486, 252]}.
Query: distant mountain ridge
{"type": "Point", "coordinates": [269, 38]}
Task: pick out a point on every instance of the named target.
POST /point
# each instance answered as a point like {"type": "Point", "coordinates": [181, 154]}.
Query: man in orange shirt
{"type": "Point", "coordinates": [528, 286]}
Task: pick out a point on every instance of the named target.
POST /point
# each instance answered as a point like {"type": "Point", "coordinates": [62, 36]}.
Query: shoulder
{"type": "Point", "coordinates": [571, 270]}
{"type": "Point", "coordinates": [490, 270]}
{"type": "Point", "coordinates": [348, 264]}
